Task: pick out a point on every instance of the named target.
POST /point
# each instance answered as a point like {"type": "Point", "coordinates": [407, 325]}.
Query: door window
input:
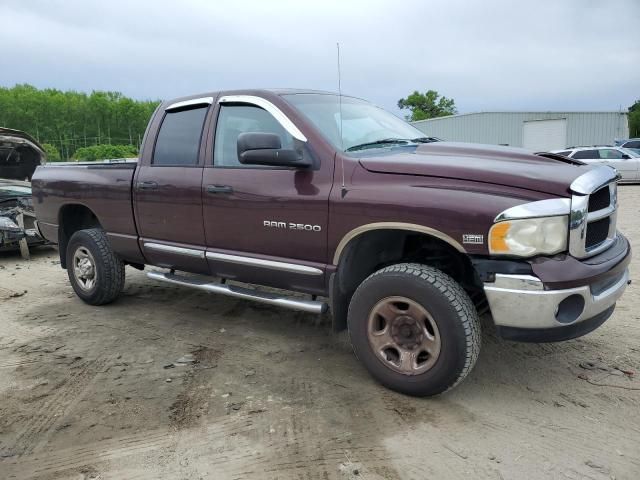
{"type": "Point", "coordinates": [586, 155]}
{"type": "Point", "coordinates": [236, 119]}
{"type": "Point", "coordinates": [610, 154]}
{"type": "Point", "coordinates": [178, 140]}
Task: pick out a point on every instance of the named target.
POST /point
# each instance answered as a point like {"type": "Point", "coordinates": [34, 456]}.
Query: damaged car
{"type": "Point", "coordinates": [18, 228]}
{"type": "Point", "coordinates": [20, 154]}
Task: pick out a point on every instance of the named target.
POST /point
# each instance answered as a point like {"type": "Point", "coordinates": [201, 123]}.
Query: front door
{"type": "Point", "coordinates": [168, 194]}
{"type": "Point", "coordinates": [264, 225]}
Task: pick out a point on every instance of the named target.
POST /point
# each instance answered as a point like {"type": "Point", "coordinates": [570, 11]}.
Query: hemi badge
{"type": "Point", "coordinates": [473, 239]}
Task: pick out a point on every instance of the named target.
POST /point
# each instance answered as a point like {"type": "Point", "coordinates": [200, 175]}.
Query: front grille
{"type": "Point", "coordinates": [592, 222]}
{"type": "Point", "coordinates": [600, 199]}
{"type": "Point", "coordinates": [597, 232]}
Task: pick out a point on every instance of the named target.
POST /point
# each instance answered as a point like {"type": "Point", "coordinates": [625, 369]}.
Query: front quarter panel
{"type": "Point", "coordinates": [453, 209]}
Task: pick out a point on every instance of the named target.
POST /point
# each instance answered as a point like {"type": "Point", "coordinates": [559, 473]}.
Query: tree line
{"type": "Point", "coordinates": [634, 120]}
{"type": "Point", "coordinates": [75, 124]}
{"type": "Point", "coordinates": [67, 121]}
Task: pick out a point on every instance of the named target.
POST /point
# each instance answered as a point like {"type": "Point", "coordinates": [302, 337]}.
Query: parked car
{"type": "Point", "coordinates": [631, 143]}
{"type": "Point", "coordinates": [20, 154]}
{"type": "Point", "coordinates": [333, 197]}
{"type": "Point", "coordinates": [17, 218]}
{"type": "Point", "coordinates": [625, 161]}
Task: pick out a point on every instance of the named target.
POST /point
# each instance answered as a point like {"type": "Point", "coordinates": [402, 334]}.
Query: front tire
{"type": "Point", "coordinates": [414, 328]}
{"type": "Point", "coordinates": [96, 273]}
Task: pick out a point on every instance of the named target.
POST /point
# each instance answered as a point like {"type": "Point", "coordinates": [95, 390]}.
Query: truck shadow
{"type": "Point", "coordinates": [266, 328]}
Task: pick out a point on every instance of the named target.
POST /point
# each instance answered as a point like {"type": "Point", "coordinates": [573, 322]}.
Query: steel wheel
{"type": "Point", "coordinates": [84, 268]}
{"type": "Point", "coordinates": [403, 335]}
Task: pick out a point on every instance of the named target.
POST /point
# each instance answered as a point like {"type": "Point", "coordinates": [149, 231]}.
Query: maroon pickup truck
{"type": "Point", "coordinates": [406, 240]}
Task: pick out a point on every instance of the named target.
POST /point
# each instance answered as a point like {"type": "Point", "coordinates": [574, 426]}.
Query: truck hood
{"type": "Point", "coordinates": [20, 154]}
{"type": "Point", "coordinates": [514, 167]}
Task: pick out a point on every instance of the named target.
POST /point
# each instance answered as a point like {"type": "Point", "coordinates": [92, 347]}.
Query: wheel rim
{"type": "Point", "coordinates": [84, 268]}
{"type": "Point", "coordinates": [403, 335]}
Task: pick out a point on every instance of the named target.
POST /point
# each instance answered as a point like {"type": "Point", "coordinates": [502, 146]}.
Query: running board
{"type": "Point", "coordinates": [310, 306]}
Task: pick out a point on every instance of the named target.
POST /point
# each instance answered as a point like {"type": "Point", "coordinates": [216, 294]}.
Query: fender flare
{"type": "Point", "coordinates": [412, 227]}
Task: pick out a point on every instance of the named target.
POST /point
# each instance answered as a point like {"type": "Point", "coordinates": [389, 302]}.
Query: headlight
{"type": "Point", "coordinates": [8, 224]}
{"type": "Point", "coordinates": [529, 236]}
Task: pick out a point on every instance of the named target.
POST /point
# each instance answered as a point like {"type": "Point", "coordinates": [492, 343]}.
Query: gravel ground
{"type": "Point", "coordinates": [262, 392]}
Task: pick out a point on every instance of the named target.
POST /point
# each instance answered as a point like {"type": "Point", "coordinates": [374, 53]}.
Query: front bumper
{"type": "Point", "coordinates": [536, 308]}
{"type": "Point", "coordinates": [523, 310]}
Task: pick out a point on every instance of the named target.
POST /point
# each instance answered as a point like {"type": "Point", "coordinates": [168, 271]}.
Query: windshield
{"type": "Point", "coordinates": [14, 191]}
{"type": "Point", "coordinates": [363, 124]}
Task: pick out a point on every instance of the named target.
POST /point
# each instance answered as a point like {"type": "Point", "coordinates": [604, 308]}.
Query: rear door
{"type": "Point", "coordinates": [265, 225]}
{"type": "Point", "coordinates": [167, 190]}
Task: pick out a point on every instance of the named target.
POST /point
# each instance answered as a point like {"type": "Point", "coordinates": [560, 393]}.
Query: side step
{"type": "Point", "coordinates": [310, 306]}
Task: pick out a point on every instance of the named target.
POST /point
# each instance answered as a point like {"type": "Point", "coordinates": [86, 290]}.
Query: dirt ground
{"type": "Point", "coordinates": [266, 393]}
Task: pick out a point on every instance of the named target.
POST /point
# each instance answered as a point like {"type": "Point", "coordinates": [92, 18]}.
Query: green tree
{"type": "Point", "coordinates": [53, 155]}
{"type": "Point", "coordinates": [427, 105]}
{"type": "Point", "coordinates": [634, 120]}
{"type": "Point", "coordinates": [71, 120]}
{"type": "Point", "coordinates": [104, 152]}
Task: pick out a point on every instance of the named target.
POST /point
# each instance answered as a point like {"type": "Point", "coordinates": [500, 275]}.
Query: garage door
{"type": "Point", "coordinates": [544, 135]}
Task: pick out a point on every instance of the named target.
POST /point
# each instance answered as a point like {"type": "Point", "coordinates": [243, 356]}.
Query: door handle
{"type": "Point", "coordinates": [147, 185]}
{"type": "Point", "coordinates": [214, 189]}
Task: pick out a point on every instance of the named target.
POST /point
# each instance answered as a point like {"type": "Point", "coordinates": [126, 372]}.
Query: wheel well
{"type": "Point", "coordinates": [71, 219]}
{"type": "Point", "coordinates": [373, 250]}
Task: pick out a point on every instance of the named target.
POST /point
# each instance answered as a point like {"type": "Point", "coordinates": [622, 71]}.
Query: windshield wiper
{"type": "Point", "coordinates": [384, 141]}
{"type": "Point", "coordinates": [426, 140]}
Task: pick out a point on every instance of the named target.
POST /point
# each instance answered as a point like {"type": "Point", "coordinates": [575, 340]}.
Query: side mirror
{"type": "Point", "coordinates": [256, 148]}
{"type": "Point", "coordinates": [625, 156]}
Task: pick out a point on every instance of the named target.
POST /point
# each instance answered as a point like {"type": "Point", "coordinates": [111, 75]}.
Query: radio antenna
{"type": "Point", "coordinates": [340, 113]}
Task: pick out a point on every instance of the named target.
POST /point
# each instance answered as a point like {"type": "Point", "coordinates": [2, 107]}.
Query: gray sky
{"type": "Point", "coordinates": [486, 54]}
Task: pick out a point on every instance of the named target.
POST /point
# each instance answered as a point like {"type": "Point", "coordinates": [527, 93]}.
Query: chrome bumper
{"type": "Point", "coordinates": [520, 301]}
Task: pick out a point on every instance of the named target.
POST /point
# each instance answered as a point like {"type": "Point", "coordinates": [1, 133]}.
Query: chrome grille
{"type": "Point", "coordinates": [592, 226]}
{"type": "Point", "coordinates": [600, 199]}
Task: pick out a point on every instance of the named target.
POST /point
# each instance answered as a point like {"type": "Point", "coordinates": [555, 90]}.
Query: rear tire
{"type": "Point", "coordinates": [415, 329]}
{"type": "Point", "coordinates": [96, 273]}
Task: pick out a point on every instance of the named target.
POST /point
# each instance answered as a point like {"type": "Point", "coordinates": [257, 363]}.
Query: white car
{"type": "Point", "coordinates": [624, 160]}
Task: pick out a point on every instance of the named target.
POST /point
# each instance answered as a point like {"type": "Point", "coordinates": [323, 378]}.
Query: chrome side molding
{"type": "Point", "coordinates": [265, 104]}
{"type": "Point", "coordinates": [161, 247]}
{"type": "Point", "coordinates": [259, 262]}
{"type": "Point", "coordinates": [311, 306]}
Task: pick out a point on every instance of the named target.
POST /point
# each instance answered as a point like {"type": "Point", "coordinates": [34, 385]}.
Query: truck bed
{"type": "Point", "coordinates": [103, 188]}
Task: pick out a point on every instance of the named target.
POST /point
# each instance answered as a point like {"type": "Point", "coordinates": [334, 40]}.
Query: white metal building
{"type": "Point", "coordinates": [539, 131]}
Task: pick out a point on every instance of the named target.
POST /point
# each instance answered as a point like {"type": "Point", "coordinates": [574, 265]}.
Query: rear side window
{"type": "Point", "coordinates": [610, 154]}
{"type": "Point", "coordinates": [633, 144]}
{"type": "Point", "coordinates": [178, 140]}
{"type": "Point", "coordinates": [586, 155]}
{"type": "Point", "coordinates": [236, 119]}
